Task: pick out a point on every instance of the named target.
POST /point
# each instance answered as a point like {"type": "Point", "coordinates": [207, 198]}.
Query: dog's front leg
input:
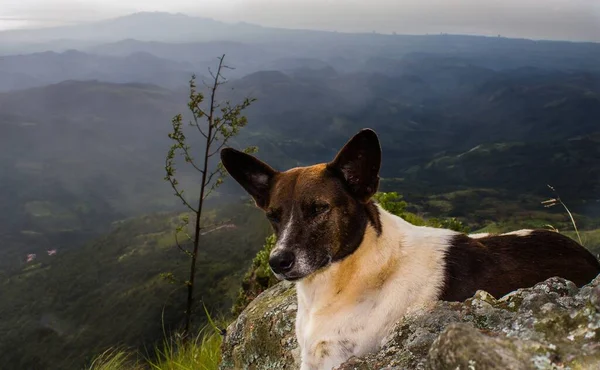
{"type": "Point", "coordinates": [327, 354]}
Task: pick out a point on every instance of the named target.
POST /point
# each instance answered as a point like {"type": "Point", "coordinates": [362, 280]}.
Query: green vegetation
{"type": "Point", "coordinates": [200, 352]}
{"type": "Point", "coordinates": [115, 360]}
{"type": "Point", "coordinates": [394, 203]}
{"type": "Point", "coordinates": [61, 310]}
{"type": "Point", "coordinates": [258, 278]}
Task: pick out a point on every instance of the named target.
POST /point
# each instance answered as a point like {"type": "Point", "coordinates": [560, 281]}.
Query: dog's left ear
{"type": "Point", "coordinates": [359, 162]}
{"type": "Point", "coordinates": [255, 176]}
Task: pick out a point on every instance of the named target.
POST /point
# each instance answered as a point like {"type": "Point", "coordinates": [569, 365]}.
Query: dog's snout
{"type": "Point", "coordinates": [282, 262]}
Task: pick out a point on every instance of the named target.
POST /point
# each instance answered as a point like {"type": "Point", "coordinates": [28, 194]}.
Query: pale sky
{"type": "Point", "coordinates": [538, 19]}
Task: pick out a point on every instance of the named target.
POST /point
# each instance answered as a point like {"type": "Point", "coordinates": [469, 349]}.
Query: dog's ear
{"type": "Point", "coordinates": [359, 162]}
{"type": "Point", "coordinates": [254, 175]}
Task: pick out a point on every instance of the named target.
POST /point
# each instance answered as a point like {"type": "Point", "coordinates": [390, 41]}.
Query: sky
{"type": "Point", "coordinates": [577, 20]}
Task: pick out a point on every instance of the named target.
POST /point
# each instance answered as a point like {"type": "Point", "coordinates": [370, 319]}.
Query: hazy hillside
{"type": "Point", "coordinates": [23, 71]}
{"type": "Point", "coordinates": [79, 133]}
{"type": "Point", "coordinates": [144, 26]}
{"type": "Point", "coordinates": [76, 156]}
{"type": "Point", "coordinates": [61, 310]}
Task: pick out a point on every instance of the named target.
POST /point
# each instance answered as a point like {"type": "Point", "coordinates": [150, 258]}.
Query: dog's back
{"type": "Point", "coordinates": [500, 264]}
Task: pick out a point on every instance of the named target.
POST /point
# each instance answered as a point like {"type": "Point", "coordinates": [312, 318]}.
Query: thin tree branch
{"type": "Point", "coordinates": [212, 188]}
{"type": "Point", "coordinates": [210, 177]}
{"type": "Point", "coordinates": [188, 237]}
{"type": "Point", "coordinates": [209, 192]}
{"type": "Point", "coordinates": [188, 253]}
{"type": "Point", "coordinates": [198, 127]}
{"type": "Point", "coordinates": [196, 122]}
{"type": "Point", "coordinates": [219, 148]}
{"type": "Point", "coordinates": [189, 159]}
{"type": "Point", "coordinates": [178, 192]}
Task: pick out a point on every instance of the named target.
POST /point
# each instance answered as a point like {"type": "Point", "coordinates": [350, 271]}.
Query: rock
{"type": "Point", "coordinates": [263, 336]}
{"type": "Point", "coordinates": [553, 325]}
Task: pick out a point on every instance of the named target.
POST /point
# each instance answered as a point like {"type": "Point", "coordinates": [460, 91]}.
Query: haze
{"type": "Point", "coordinates": [576, 20]}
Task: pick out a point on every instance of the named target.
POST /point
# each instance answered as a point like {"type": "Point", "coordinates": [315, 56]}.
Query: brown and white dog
{"type": "Point", "coordinates": [360, 269]}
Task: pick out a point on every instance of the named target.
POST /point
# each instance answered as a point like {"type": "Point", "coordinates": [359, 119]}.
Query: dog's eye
{"type": "Point", "coordinates": [274, 216]}
{"type": "Point", "coordinates": [318, 208]}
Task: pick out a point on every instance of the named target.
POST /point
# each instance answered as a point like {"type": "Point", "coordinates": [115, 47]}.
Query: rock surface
{"type": "Point", "coordinates": [553, 325]}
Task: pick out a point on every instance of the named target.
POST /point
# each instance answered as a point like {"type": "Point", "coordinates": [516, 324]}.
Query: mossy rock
{"type": "Point", "coordinates": [263, 336]}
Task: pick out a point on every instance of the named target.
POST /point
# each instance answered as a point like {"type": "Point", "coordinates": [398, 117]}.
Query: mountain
{"type": "Point", "coordinates": [147, 26]}
{"type": "Point", "coordinates": [39, 69]}
{"type": "Point", "coordinates": [193, 52]}
{"type": "Point", "coordinates": [518, 168]}
{"type": "Point", "coordinates": [422, 112]}
{"type": "Point", "coordinates": [78, 133]}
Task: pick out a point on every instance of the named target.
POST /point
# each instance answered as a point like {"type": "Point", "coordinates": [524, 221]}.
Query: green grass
{"type": "Point", "coordinates": [115, 359]}
{"type": "Point", "coordinates": [203, 352]}
{"type": "Point", "coordinates": [589, 238]}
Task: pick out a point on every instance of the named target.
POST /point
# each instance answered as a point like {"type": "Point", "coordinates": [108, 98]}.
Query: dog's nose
{"type": "Point", "coordinates": [282, 262]}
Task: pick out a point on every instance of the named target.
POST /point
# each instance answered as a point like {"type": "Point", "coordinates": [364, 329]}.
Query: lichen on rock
{"type": "Point", "coordinates": [263, 336]}
{"type": "Point", "coordinates": [553, 325]}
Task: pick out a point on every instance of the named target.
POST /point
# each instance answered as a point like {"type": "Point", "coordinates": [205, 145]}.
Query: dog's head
{"type": "Point", "coordinates": [319, 213]}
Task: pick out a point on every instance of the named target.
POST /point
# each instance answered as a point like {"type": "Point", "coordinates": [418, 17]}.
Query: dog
{"type": "Point", "coordinates": [359, 269]}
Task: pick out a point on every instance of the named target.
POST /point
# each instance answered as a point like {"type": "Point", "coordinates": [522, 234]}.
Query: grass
{"type": "Point", "coordinates": [589, 238]}
{"type": "Point", "coordinates": [202, 352]}
{"type": "Point", "coordinates": [115, 359]}
{"type": "Point", "coordinates": [554, 201]}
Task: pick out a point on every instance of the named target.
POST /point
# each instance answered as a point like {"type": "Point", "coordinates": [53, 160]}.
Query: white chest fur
{"type": "Point", "coordinates": [349, 308]}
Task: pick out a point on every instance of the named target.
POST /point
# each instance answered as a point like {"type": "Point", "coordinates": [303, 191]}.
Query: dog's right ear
{"type": "Point", "coordinates": [359, 162]}
{"type": "Point", "coordinates": [254, 175]}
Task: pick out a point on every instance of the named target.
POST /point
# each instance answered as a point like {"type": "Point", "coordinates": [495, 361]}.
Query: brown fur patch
{"type": "Point", "coordinates": [500, 264]}
{"type": "Point", "coordinates": [384, 273]}
{"type": "Point", "coordinates": [344, 275]}
{"type": "Point", "coordinates": [322, 349]}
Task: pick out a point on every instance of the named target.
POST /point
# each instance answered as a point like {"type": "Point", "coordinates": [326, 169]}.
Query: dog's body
{"type": "Point", "coordinates": [360, 269]}
{"type": "Point", "coordinates": [349, 308]}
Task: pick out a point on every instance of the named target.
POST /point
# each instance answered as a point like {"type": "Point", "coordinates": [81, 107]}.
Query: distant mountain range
{"type": "Point", "coordinates": [148, 26]}
{"type": "Point", "coordinates": [23, 71]}
{"type": "Point", "coordinates": [149, 31]}
{"type": "Point", "coordinates": [87, 135]}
